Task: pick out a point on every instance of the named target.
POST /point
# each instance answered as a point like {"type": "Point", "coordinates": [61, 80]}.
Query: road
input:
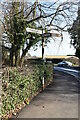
{"type": "Point", "coordinates": [58, 100]}
{"type": "Point", "coordinates": [73, 72]}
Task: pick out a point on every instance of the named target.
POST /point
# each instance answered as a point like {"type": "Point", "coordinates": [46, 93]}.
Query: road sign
{"type": "Point", "coordinates": [42, 33]}
{"type": "Point", "coordinates": [33, 30]}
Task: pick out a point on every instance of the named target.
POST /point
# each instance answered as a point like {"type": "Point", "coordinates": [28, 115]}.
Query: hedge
{"type": "Point", "coordinates": [19, 84]}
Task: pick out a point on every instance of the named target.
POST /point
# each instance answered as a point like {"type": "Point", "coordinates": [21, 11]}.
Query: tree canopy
{"type": "Point", "coordinates": [19, 15]}
{"type": "Point", "coordinates": [75, 34]}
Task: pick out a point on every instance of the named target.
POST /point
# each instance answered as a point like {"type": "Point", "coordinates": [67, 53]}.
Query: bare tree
{"type": "Point", "coordinates": [17, 16]}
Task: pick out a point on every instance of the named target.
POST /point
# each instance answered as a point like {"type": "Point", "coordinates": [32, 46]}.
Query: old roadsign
{"type": "Point", "coordinates": [33, 30]}
{"type": "Point", "coordinates": [40, 32]}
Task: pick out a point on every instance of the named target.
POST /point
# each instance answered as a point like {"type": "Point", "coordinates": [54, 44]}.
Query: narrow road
{"type": "Point", "coordinates": [58, 100]}
{"type": "Point", "coordinates": [73, 72]}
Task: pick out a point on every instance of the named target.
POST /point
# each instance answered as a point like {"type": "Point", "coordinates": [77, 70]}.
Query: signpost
{"type": "Point", "coordinates": [43, 35]}
{"type": "Point", "coordinates": [33, 30]}
{"type": "Point", "coordinates": [42, 32]}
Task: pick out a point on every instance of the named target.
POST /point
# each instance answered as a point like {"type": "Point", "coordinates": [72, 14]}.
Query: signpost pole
{"type": "Point", "coordinates": [43, 82]}
{"type": "Point", "coordinates": [42, 45]}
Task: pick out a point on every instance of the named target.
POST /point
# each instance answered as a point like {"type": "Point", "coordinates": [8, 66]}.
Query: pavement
{"type": "Point", "coordinates": [58, 100]}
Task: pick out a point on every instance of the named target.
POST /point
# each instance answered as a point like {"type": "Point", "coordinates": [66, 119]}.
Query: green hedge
{"type": "Point", "coordinates": [19, 84]}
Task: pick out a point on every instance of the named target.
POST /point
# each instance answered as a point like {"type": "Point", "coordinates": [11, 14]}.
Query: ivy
{"type": "Point", "coordinates": [20, 84]}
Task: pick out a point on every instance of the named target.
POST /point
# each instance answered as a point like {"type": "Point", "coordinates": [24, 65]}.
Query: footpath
{"type": "Point", "coordinates": [58, 100]}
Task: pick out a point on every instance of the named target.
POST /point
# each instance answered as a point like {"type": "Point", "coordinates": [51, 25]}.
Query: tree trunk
{"type": "Point", "coordinates": [22, 60]}
{"type": "Point", "coordinates": [24, 53]}
{"type": "Point", "coordinates": [12, 56]}
{"type": "Point", "coordinates": [22, 57]}
{"type": "Point", "coordinates": [17, 58]}
{"type": "Point", "coordinates": [79, 62]}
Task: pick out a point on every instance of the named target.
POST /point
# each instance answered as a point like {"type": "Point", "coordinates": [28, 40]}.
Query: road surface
{"type": "Point", "coordinates": [73, 72]}
{"type": "Point", "coordinates": [58, 100]}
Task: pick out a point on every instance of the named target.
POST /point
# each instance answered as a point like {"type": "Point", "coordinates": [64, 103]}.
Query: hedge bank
{"type": "Point", "coordinates": [20, 84]}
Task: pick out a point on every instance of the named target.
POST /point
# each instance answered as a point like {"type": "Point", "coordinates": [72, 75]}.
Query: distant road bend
{"type": "Point", "coordinates": [72, 72]}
